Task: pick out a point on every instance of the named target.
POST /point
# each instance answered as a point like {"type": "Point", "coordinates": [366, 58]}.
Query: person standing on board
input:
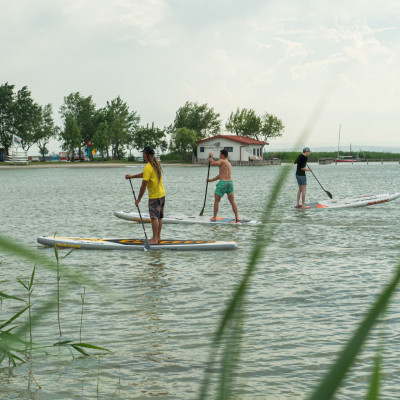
{"type": "Point", "coordinates": [225, 184]}
{"type": "Point", "coordinates": [152, 180]}
{"type": "Point", "coordinates": [301, 162]}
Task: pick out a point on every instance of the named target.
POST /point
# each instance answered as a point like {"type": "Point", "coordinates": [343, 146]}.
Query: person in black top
{"type": "Point", "coordinates": [301, 162]}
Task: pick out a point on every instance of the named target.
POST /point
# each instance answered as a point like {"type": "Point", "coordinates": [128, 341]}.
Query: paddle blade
{"type": "Point", "coordinates": [202, 212]}
{"type": "Point", "coordinates": [329, 194]}
{"type": "Point", "coordinates": [146, 245]}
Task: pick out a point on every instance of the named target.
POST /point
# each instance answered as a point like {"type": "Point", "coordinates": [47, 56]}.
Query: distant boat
{"type": "Point", "coordinates": [345, 159]}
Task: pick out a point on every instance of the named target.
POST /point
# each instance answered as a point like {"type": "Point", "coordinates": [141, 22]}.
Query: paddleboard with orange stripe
{"type": "Point", "coordinates": [134, 244]}
{"type": "Point", "coordinates": [185, 219]}
{"type": "Point", "coordinates": [352, 202]}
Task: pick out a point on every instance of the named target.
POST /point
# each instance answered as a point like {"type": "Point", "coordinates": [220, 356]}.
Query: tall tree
{"type": "Point", "coordinates": [184, 140]}
{"type": "Point", "coordinates": [83, 110]}
{"type": "Point", "coordinates": [200, 118]}
{"type": "Point", "coordinates": [244, 122]}
{"type": "Point", "coordinates": [271, 126]}
{"type": "Point", "coordinates": [101, 139]}
{"type": "Point", "coordinates": [46, 129]}
{"type": "Point", "coordinates": [71, 135]}
{"type": "Point", "coordinates": [149, 136]}
{"type": "Point", "coordinates": [6, 115]}
{"type": "Point", "coordinates": [122, 125]}
{"type": "Point", "coordinates": [27, 115]}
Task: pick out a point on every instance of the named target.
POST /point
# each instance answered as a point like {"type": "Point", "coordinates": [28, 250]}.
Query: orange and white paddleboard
{"type": "Point", "coordinates": [352, 202]}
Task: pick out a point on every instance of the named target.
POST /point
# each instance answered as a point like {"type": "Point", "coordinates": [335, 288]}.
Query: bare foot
{"type": "Point", "coordinates": [153, 241]}
{"type": "Point", "coordinates": [305, 207]}
{"type": "Point", "coordinates": [213, 219]}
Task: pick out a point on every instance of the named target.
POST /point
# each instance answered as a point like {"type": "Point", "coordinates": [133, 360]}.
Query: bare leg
{"type": "Point", "coordinates": [298, 197]}
{"type": "Point", "coordinates": [159, 229]}
{"type": "Point", "coordinates": [231, 198]}
{"type": "Point", "coordinates": [155, 226]}
{"type": "Point", "coordinates": [303, 196]}
{"type": "Point", "coordinates": [216, 206]}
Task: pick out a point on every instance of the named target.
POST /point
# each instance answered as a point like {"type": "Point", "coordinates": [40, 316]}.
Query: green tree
{"type": "Point", "coordinates": [200, 118]}
{"type": "Point", "coordinates": [244, 122]}
{"type": "Point", "coordinates": [45, 129]}
{"type": "Point", "coordinates": [83, 111]}
{"type": "Point", "coordinates": [183, 140]}
{"type": "Point", "coordinates": [101, 139]}
{"type": "Point", "coordinates": [27, 116]}
{"type": "Point", "coordinates": [271, 127]}
{"type": "Point", "coordinates": [149, 136]}
{"type": "Point", "coordinates": [122, 125]}
{"type": "Point", "coordinates": [71, 135]}
{"type": "Point", "coordinates": [6, 115]}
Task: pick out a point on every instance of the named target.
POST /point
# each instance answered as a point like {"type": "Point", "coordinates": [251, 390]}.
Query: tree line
{"type": "Point", "coordinates": [115, 129]}
{"type": "Point", "coordinates": [290, 156]}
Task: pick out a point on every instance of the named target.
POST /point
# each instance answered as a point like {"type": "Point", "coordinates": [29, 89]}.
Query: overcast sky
{"type": "Point", "coordinates": [271, 56]}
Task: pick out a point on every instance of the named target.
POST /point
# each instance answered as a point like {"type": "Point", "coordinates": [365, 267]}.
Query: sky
{"type": "Point", "coordinates": [282, 57]}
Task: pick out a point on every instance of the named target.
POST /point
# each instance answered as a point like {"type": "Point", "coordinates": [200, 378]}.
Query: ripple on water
{"type": "Point", "coordinates": [158, 311]}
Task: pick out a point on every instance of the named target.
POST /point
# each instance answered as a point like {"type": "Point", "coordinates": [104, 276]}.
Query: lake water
{"type": "Point", "coordinates": [158, 311]}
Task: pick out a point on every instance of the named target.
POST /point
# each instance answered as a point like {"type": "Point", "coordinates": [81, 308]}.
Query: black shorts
{"type": "Point", "coordinates": [156, 208]}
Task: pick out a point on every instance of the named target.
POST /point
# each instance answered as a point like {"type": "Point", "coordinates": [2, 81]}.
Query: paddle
{"type": "Point", "coordinates": [328, 193]}
{"type": "Point", "coordinates": [205, 196]}
{"type": "Point", "coordinates": [146, 244]}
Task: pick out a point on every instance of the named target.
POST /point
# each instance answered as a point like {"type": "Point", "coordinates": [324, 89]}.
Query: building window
{"type": "Point", "coordinates": [258, 152]}
{"type": "Point", "coordinates": [201, 149]}
{"type": "Point", "coordinates": [254, 152]}
{"type": "Point", "coordinates": [230, 149]}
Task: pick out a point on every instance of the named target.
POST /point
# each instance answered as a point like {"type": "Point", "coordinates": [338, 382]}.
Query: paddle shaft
{"type": "Point", "coordinates": [205, 196]}
{"type": "Point", "coordinates": [147, 244]}
{"type": "Point", "coordinates": [328, 193]}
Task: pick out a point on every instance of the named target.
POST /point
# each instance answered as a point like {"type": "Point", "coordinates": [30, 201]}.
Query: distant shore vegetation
{"type": "Point", "coordinates": [115, 130]}
{"type": "Point", "coordinates": [289, 156]}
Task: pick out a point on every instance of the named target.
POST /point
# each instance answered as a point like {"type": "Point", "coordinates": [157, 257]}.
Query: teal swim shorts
{"type": "Point", "coordinates": [224, 187]}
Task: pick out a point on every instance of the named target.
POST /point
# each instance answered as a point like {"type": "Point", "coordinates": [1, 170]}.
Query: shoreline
{"type": "Point", "coordinates": [88, 165]}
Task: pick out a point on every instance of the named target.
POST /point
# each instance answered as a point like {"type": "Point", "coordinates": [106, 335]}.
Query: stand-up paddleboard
{"type": "Point", "coordinates": [350, 202]}
{"type": "Point", "coordinates": [134, 244]}
{"type": "Point", "coordinates": [184, 219]}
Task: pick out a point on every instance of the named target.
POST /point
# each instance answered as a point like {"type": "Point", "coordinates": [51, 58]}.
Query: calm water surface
{"type": "Point", "coordinates": [159, 310]}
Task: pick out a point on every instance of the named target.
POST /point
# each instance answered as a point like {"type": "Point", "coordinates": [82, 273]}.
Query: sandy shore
{"type": "Point", "coordinates": [88, 165]}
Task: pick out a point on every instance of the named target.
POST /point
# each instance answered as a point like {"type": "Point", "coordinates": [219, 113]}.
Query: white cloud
{"type": "Point", "coordinates": [125, 19]}
{"type": "Point", "coordinates": [275, 56]}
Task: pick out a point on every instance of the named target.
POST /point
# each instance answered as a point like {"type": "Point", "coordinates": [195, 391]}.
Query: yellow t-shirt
{"type": "Point", "coordinates": [155, 188]}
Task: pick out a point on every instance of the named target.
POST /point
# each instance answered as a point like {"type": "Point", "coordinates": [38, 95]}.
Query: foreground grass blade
{"type": "Point", "coordinates": [14, 317]}
{"type": "Point", "coordinates": [7, 296]}
{"type": "Point", "coordinates": [91, 346]}
{"type": "Point", "coordinates": [48, 305]}
{"type": "Point", "coordinates": [234, 310]}
{"type": "Point", "coordinates": [373, 393]}
{"type": "Point", "coordinates": [17, 249]}
{"type": "Point", "coordinates": [332, 380]}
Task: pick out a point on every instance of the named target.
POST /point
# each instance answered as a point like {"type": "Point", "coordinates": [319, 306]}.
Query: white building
{"type": "Point", "coordinates": [240, 148]}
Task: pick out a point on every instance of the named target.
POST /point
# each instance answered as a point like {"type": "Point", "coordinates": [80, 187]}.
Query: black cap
{"type": "Point", "coordinates": [149, 150]}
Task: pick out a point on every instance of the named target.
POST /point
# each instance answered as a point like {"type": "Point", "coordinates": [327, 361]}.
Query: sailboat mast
{"type": "Point", "coordinates": [338, 146]}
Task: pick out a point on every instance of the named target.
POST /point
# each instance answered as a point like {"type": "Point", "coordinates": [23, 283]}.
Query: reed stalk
{"type": "Point", "coordinates": [83, 302]}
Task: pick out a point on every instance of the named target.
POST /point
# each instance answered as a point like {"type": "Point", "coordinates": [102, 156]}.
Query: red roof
{"type": "Point", "coordinates": [235, 138]}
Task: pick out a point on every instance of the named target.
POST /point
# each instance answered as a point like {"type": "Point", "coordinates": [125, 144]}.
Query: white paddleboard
{"type": "Point", "coordinates": [184, 219]}
{"type": "Point", "coordinates": [351, 202]}
{"type": "Point", "coordinates": [134, 244]}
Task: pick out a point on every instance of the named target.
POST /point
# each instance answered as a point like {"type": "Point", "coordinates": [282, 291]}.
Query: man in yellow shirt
{"type": "Point", "coordinates": [152, 180]}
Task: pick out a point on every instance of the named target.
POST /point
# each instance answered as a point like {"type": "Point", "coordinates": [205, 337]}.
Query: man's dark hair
{"type": "Point", "coordinates": [224, 152]}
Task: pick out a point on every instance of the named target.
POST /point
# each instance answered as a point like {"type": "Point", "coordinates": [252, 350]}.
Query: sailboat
{"type": "Point", "coordinates": [345, 159]}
